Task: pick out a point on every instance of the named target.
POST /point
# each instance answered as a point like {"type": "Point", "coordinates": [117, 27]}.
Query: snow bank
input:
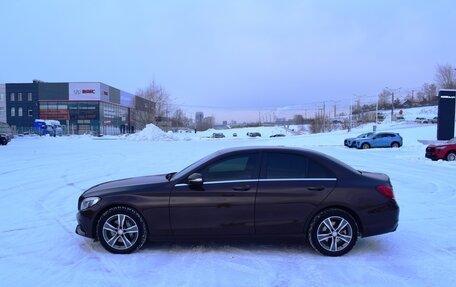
{"type": "Point", "coordinates": [152, 133]}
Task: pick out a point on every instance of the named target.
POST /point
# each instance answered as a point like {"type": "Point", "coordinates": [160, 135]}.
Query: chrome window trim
{"type": "Point", "coordinates": [298, 179]}
{"type": "Point", "coordinates": [264, 180]}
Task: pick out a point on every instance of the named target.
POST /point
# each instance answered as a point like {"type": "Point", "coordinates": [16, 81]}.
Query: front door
{"type": "Point", "coordinates": [223, 204]}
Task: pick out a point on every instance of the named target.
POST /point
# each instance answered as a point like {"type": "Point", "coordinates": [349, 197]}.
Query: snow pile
{"type": "Point", "coordinates": [152, 133]}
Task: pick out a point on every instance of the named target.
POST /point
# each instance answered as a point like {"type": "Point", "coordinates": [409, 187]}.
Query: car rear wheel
{"type": "Point", "coordinates": [451, 156]}
{"type": "Point", "coordinates": [121, 230]}
{"type": "Point", "coordinates": [333, 232]}
{"type": "Point", "coordinates": [395, 144]}
{"type": "Point", "coordinates": [365, 146]}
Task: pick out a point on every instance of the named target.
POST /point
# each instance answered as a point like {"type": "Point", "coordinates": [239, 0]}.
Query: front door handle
{"type": "Point", "coordinates": [321, 187]}
{"type": "Point", "coordinates": [241, 187]}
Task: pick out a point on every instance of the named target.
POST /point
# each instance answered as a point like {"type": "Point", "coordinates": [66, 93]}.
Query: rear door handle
{"type": "Point", "coordinates": [241, 187]}
{"type": "Point", "coordinates": [321, 187]}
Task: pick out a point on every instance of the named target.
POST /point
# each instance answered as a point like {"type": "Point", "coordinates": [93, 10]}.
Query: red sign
{"type": "Point", "coordinates": [105, 93]}
{"type": "Point", "coordinates": [88, 91]}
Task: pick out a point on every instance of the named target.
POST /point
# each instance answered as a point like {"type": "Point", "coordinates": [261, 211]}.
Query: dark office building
{"type": "Point", "coordinates": [81, 108]}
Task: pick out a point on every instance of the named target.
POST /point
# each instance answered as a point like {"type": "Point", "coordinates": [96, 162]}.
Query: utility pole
{"type": "Point", "coordinates": [324, 116]}
{"type": "Point", "coordinates": [392, 100]}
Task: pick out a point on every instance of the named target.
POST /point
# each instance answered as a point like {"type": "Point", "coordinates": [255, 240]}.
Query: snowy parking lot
{"type": "Point", "coordinates": [42, 178]}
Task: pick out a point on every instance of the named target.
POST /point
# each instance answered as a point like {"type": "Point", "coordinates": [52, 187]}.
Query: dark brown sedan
{"type": "Point", "coordinates": [243, 192]}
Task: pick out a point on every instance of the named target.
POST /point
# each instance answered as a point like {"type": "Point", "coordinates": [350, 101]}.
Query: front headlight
{"type": "Point", "coordinates": [89, 202]}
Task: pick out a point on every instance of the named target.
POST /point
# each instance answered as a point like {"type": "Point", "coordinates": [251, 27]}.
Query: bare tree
{"type": "Point", "coordinates": [446, 76]}
{"type": "Point", "coordinates": [384, 99]}
{"type": "Point", "coordinates": [430, 92]}
{"type": "Point", "coordinates": [159, 96]}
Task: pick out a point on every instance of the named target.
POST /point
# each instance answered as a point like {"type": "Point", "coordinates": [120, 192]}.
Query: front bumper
{"type": "Point", "coordinates": [86, 223]}
{"type": "Point", "coordinates": [431, 156]}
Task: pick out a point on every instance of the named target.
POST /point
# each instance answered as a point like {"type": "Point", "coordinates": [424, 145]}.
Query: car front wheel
{"type": "Point", "coordinates": [333, 232]}
{"type": "Point", "coordinates": [451, 156]}
{"type": "Point", "coordinates": [365, 146]}
{"type": "Point", "coordinates": [121, 230]}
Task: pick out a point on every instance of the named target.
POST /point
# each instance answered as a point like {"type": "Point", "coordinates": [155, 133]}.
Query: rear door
{"type": "Point", "coordinates": [290, 187]}
{"type": "Point", "coordinates": [378, 140]}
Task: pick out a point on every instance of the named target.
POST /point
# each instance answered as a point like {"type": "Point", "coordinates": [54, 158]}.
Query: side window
{"type": "Point", "coordinates": [244, 166]}
{"type": "Point", "coordinates": [282, 165]}
{"type": "Point", "coordinates": [316, 170]}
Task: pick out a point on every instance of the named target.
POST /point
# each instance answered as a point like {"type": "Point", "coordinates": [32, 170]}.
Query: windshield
{"type": "Point", "coordinates": [363, 135]}
{"type": "Point", "coordinates": [194, 165]}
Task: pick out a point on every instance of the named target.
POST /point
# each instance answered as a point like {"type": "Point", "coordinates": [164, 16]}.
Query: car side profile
{"type": "Point", "coordinates": [253, 134]}
{"type": "Point", "coordinates": [444, 151]}
{"type": "Point", "coordinates": [249, 192]}
{"type": "Point", "coordinates": [376, 140]}
{"type": "Point", "coordinates": [350, 142]}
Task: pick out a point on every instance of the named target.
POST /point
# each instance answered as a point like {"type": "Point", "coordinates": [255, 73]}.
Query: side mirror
{"type": "Point", "coordinates": [195, 179]}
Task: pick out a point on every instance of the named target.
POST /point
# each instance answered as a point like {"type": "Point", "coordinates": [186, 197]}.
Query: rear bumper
{"type": "Point", "coordinates": [381, 219]}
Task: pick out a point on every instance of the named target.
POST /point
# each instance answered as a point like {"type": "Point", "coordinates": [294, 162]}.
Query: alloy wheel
{"type": "Point", "coordinates": [451, 156]}
{"type": "Point", "coordinates": [120, 231]}
{"type": "Point", "coordinates": [334, 233]}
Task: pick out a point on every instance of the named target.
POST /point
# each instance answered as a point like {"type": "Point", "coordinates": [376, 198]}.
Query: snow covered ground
{"type": "Point", "coordinates": [41, 179]}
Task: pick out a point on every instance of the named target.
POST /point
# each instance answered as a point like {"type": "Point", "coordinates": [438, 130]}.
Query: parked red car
{"type": "Point", "coordinates": [445, 151]}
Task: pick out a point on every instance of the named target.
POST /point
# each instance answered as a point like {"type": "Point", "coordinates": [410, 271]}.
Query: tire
{"type": "Point", "coordinates": [395, 145]}
{"type": "Point", "coordinates": [365, 146]}
{"type": "Point", "coordinates": [130, 237]}
{"type": "Point", "coordinates": [324, 241]}
{"type": "Point", "coordinates": [451, 156]}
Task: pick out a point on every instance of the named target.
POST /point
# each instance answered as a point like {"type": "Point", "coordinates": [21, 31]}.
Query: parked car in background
{"type": "Point", "coordinates": [350, 142]}
{"type": "Point", "coordinates": [400, 118]}
{"type": "Point", "coordinates": [234, 135]}
{"type": "Point", "coordinates": [247, 192]}
{"type": "Point", "coordinates": [3, 139]}
{"type": "Point", "coordinates": [6, 131]}
{"type": "Point", "coordinates": [420, 120]}
{"type": "Point", "coordinates": [253, 134]}
{"type": "Point", "coordinates": [383, 139]}
{"type": "Point", "coordinates": [217, 135]}
{"type": "Point", "coordinates": [277, 135]}
{"type": "Point", "coordinates": [48, 127]}
{"type": "Point", "coordinates": [435, 120]}
{"type": "Point", "coordinates": [445, 151]}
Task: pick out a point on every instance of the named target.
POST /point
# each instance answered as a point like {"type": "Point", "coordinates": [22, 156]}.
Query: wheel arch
{"type": "Point", "coordinates": [106, 208]}
{"type": "Point", "coordinates": [448, 152]}
{"type": "Point", "coordinates": [336, 206]}
{"type": "Point", "coordinates": [365, 142]}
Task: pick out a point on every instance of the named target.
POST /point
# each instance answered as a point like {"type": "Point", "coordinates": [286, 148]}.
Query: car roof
{"type": "Point", "coordinates": [273, 148]}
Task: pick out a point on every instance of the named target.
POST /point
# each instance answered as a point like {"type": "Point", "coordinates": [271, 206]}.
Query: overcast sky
{"type": "Point", "coordinates": [235, 54]}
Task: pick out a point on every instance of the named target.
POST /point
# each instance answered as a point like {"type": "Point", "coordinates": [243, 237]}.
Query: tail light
{"type": "Point", "coordinates": [386, 190]}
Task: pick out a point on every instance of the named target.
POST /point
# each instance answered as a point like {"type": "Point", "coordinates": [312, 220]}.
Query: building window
{"type": "Point", "coordinates": [29, 96]}
{"type": "Point", "coordinates": [19, 97]}
{"type": "Point", "coordinates": [30, 112]}
{"type": "Point", "coordinates": [13, 112]}
{"type": "Point", "coordinates": [19, 112]}
{"type": "Point", "coordinates": [12, 97]}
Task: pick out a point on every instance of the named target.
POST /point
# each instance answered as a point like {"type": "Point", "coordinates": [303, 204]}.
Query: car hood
{"type": "Point", "coordinates": [126, 184]}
